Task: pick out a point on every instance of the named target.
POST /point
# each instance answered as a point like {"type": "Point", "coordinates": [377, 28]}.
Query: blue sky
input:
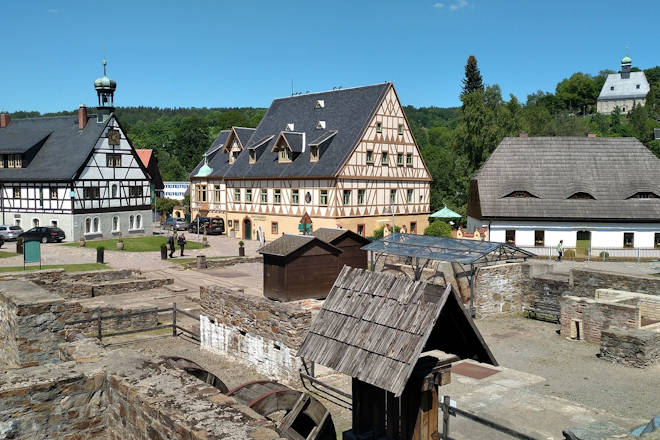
{"type": "Point", "coordinates": [244, 53]}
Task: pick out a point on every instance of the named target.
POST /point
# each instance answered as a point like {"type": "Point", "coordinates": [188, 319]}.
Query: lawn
{"type": "Point", "coordinates": [66, 267]}
{"type": "Point", "coordinates": [137, 244]}
{"type": "Point", "coordinates": [5, 254]}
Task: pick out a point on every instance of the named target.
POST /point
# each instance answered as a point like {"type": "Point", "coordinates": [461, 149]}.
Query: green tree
{"type": "Point", "coordinates": [473, 81]}
{"type": "Point", "coordinates": [165, 205]}
{"type": "Point", "coordinates": [438, 228]}
{"type": "Point", "coordinates": [578, 93]}
{"type": "Point", "coordinates": [191, 139]}
{"type": "Point", "coordinates": [232, 118]}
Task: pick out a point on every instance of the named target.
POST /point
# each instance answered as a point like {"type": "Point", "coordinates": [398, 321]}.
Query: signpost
{"type": "Point", "coordinates": [32, 252]}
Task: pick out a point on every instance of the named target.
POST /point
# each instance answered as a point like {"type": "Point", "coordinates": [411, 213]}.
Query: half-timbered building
{"type": "Point", "coordinates": [343, 158]}
{"type": "Point", "coordinates": [79, 173]}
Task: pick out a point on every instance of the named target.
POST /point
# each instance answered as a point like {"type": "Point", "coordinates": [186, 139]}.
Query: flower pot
{"type": "Point", "coordinates": [163, 252]}
{"type": "Point", "coordinates": [241, 251]}
{"type": "Point", "coordinates": [120, 245]}
{"type": "Point", "coordinates": [83, 243]}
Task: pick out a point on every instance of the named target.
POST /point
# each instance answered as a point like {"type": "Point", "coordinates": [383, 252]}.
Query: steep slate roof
{"type": "Point", "coordinates": [374, 326]}
{"type": "Point", "coordinates": [63, 152]}
{"type": "Point", "coordinates": [287, 244]}
{"type": "Point", "coordinates": [554, 168]}
{"type": "Point", "coordinates": [330, 235]}
{"type": "Point", "coordinates": [625, 88]}
{"type": "Point", "coordinates": [346, 110]}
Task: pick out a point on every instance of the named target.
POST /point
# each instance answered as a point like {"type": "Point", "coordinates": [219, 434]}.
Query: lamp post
{"type": "Point", "coordinates": [391, 210]}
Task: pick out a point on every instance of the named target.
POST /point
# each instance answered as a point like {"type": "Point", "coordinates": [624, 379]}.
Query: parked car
{"type": "Point", "coordinates": [44, 234]}
{"type": "Point", "coordinates": [212, 226]}
{"type": "Point", "coordinates": [175, 224]}
{"type": "Point", "coordinates": [9, 232]}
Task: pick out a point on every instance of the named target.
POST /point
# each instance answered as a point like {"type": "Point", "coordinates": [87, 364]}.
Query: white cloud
{"type": "Point", "coordinates": [439, 5]}
{"type": "Point", "coordinates": [454, 6]}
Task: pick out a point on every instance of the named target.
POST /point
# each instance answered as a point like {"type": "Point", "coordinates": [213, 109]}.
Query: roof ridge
{"type": "Point", "coordinates": [330, 91]}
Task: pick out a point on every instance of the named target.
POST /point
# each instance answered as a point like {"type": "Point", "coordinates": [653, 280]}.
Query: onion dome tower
{"type": "Point", "coordinates": [205, 170]}
{"type": "Point", "coordinates": [105, 89]}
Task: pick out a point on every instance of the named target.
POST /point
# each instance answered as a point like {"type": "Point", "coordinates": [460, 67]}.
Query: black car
{"type": "Point", "coordinates": [44, 234]}
{"type": "Point", "coordinates": [212, 226]}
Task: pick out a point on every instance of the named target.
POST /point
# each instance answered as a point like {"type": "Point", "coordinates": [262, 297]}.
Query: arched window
{"type": "Point", "coordinates": [520, 194]}
{"type": "Point", "coordinates": [138, 222]}
{"type": "Point", "coordinates": [131, 222]}
{"type": "Point", "coordinates": [114, 190]}
{"type": "Point", "coordinates": [644, 195]}
{"type": "Point", "coordinates": [115, 223]}
{"type": "Point", "coordinates": [88, 225]}
{"type": "Point", "coordinates": [582, 196]}
{"type": "Point", "coordinates": [97, 224]}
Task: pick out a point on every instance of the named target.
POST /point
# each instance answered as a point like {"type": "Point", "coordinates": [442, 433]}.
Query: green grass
{"type": "Point", "coordinates": [5, 254]}
{"type": "Point", "coordinates": [136, 244]}
{"type": "Point", "coordinates": [67, 267]}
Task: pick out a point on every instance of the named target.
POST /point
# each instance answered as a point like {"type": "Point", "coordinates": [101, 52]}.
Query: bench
{"type": "Point", "coordinates": [535, 312]}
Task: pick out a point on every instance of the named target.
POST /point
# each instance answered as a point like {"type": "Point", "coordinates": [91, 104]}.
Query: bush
{"type": "Point", "coordinates": [569, 253]}
{"type": "Point", "coordinates": [163, 247]}
{"type": "Point", "coordinates": [241, 243]}
{"type": "Point", "coordinates": [100, 249]}
{"type": "Point", "coordinates": [438, 229]}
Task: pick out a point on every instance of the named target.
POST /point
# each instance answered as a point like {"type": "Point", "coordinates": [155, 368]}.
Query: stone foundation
{"type": "Point", "coordinates": [224, 262]}
{"type": "Point", "coordinates": [636, 348]}
{"type": "Point", "coordinates": [585, 282]}
{"type": "Point", "coordinates": [586, 318]}
{"type": "Point", "coordinates": [502, 288]}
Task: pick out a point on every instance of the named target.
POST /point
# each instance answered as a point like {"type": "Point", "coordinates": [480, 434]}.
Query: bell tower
{"type": "Point", "coordinates": [105, 90]}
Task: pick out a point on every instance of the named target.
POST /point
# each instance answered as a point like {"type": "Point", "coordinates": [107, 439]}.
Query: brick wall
{"type": "Point", "coordinates": [503, 288]}
{"type": "Point", "coordinates": [595, 316]}
{"type": "Point", "coordinates": [263, 333]}
{"type": "Point", "coordinates": [635, 348]}
{"type": "Point", "coordinates": [585, 282]}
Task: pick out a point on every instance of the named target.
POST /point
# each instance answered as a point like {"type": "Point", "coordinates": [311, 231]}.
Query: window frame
{"type": "Point", "coordinates": [17, 192]}
{"type": "Point", "coordinates": [400, 130]}
{"type": "Point", "coordinates": [370, 157]}
{"type": "Point", "coordinates": [323, 197]}
{"type": "Point", "coordinates": [361, 226]}
{"type": "Point", "coordinates": [314, 153]}
{"type": "Point", "coordinates": [295, 197]}
{"type": "Point", "coordinates": [277, 196]}
{"type": "Point", "coordinates": [113, 160]}
{"type": "Point", "coordinates": [248, 195]}
{"type": "Point", "coordinates": [399, 159]}
{"type": "Point", "coordinates": [631, 244]}
{"type": "Point", "coordinates": [410, 195]}
{"type": "Point", "coordinates": [541, 242]}
{"type": "Point", "coordinates": [393, 197]}
{"type": "Point", "coordinates": [116, 226]}
{"type": "Point", "coordinates": [507, 232]}
{"type": "Point", "coordinates": [252, 155]}
{"type": "Point", "coordinates": [346, 193]}
{"type": "Point", "coordinates": [384, 161]}
{"type": "Point", "coordinates": [263, 196]}
{"type": "Point", "coordinates": [50, 193]}
{"type": "Point", "coordinates": [237, 195]}
{"type": "Point", "coordinates": [361, 196]}
{"type": "Point", "coordinates": [274, 228]}
{"type": "Point", "coordinates": [379, 127]}
{"type": "Point", "coordinates": [409, 160]}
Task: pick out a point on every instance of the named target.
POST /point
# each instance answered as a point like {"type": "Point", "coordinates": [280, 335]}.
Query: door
{"type": "Point", "coordinates": [247, 229]}
{"type": "Point", "coordinates": [583, 243]}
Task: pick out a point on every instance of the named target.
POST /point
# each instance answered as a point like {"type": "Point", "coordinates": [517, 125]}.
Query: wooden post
{"type": "Point", "coordinates": [445, 417]}
{"type": "Point", "coordinates": [174, 320]}
{"type": "Point", "coordinates": [98, 324]}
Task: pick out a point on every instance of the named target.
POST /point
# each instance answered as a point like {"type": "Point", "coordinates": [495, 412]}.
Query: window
{"type": "Point", "coordinates": [409, 195]}
{"type": "Point", "coordinates": [611, 87]}
{"type": "Point", "coordinates": [400, 129]}
{"type": "Point", "coordinates": [539, 238]}
{"type": "Point", "coordinates": [88, 225]}
{"type": "Point", "coordinates": [237, 195]}
{"type": "Point", "coordinates": [581, 196]}
{"type": "Point", "coordinates": [14, 161]}
{"type": "Point", "coordinates": [248, 196]}
{"type": "Point", "coordinates": [92, 192]}
{"type": "Point", "coordinates": [519, 194]}
{"type": "Point", "coordinates": [41, 197]}
{"type": "Point", "coordinates": [314, 153]}
{"type": "Point", "coordinates": [370, 157]}
{"type": "Point", "coordinates": [656, 241]}
{"type": "Point", "coordinates": [320, 125]}
{"type": "Point", "coordinates": [510, 236]}
{"type": "Point", "coordinates": [628, 239]}
{"type": "Point", "coordinates": [392, 197]}
{"type": "Point", "coordinates": [234, 156]}
{"type": "Point", "coordinates": [17, 192]}
{"type": "Point", "coordinates": [273, 228]}
{"type": "Point", "coordinates": [324, 197]}
{"type": "Point", "coordinates": [285, 155]}
{"type": "Point", "coordinates": [413, 227]}
{"type": "Point", "coordinates": [237, 225]}
{"type": "Point", "coordinates": [399, 160]}
{"type": "Point", "coordinates": [277, 196]}
{"type": "Point", "coordinates": [264, 196]}
{"type": "Point", "coordinates": [383, 158]}
{"type": "Point", "coordinates": [347, 197]}
{"type": "Point", "coordinates": [644, 195]}
{"type": "Point", "coordinates": [253, 156]}
{"type": "Point", "coordinates": [115, 223]}
{"type": "Point", "coordinates": [217, 193]}
{"type": "Point", "coordinates": [53, 193]}
{"type": "Point", "coordinates": [320, 103]}
{"type": "Point", "coordinates": [113, 191]}
{"type": "Point", "coordinates": [379, 127]}
{"type": "Point", "coordinates": [230, 223]}
{"type": "Point", "coordinates": [135, 191]}
{"type": "Point", "coordinates": [131, 222]}
{"type": "Point", "coordinates": [138, 222]}
{"type": "Point", "coordinates": [637, 86]}
{"type": "Point", "coordinates": [360, 230]}
{"type": "Point", "coordinates": [113, 160]}
{"type": "Point", "coordinates": [361, 193]}
{"type": "Point", "coordinates": [201, 193]}
{"type": "Point", "coordinates": [97, 224]}
{"type": "Point", "coordinates": [409, 159]}
{"type": "Point", "coordinates": [295, 197]}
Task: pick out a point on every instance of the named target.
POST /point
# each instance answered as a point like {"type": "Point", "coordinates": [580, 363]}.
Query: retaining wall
{"type": "Point", "coordinates": [635, 348]}
{"type": "Point", "coordinates": [502, 288]}
{"type": "Point", "coordinates": [585, 282]}
{"type": "Point", "coordinates": [596, 316]}
{"type": "Point", "coordinates": [546, 290]}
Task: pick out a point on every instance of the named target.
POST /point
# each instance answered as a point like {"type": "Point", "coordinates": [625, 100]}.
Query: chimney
{"type": "Point", "coordinates": [591, 135]}
{"type": "Point", "coordinates": [4, 119]}
{"type": "Point", "coordinates": [82, 117]}
{"type": "Point", "coordinates": [523, 135]}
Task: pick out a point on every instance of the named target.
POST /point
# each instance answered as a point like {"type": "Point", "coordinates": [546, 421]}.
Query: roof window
{"type": "Point", "coordinates": [290, 126]}
{"type": "Point", "coordinates": [582, 196]}
{"type": "Point", "coordinates": [637, 86]}
{"type": "Point", "coordinates": [644, 195]}
{"type": "Point", "coordinates": [319, 103]}
{"type": "Point", "coordinates": [611, 87]}
{"type": "Point", "coordinates": [519, 194]}
{"type": "Point", "coordinates": [320, 125]}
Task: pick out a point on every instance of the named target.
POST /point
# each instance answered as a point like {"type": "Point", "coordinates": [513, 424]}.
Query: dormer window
{"type": "Point", "coordinates": [644, 195]}
{"type": "Point", "coordinates": [11, 161]}
{"type": "Point", "coordinates": [519, 195]}
{"type": "Point", "coordinates": [290, 126]}
{"type": "Point", "coordinates": [319, 103]}
{"type": "Point", "coordinates": [233, 156]}
{"type": "Point", "coordinates": [320, 125]}
{"type": "Point", "coordinates": [253, 156]}
{"type": "Point", "coordinates": [313, 153]}
{"type": "Point", "coordinates": [582, 196]}
{"type": "Point", "coordinates": [285, 155]}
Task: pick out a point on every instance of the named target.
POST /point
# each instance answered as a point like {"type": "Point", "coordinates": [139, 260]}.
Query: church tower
{"type": "Point", "coordinates": [105, 89]}
{"type": "Point", "coordinates": [626, 64]}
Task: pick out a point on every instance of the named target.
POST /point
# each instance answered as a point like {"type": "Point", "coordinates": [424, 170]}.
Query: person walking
{"type": "Point", "coordinates": [182, 242]}
{"type": "Point", "coordinates": [170, 242]}
{"type": "Point", "coordinates": [560, 249]}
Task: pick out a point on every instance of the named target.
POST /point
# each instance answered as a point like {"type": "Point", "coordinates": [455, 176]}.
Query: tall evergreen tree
{"type": "Point", "coordinates": [472, 81]}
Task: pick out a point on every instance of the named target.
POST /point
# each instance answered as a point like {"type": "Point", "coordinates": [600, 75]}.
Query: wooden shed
{"type": "Point", "coordinates": [349, 242]}
{"type": "Point", "coordinates": [299, 267]}
{"type": "Point", "coordinates": [396, 338]}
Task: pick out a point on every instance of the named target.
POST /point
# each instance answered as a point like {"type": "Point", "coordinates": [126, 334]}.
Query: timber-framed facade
{"type": "Point", "coordinates": [346, 158]}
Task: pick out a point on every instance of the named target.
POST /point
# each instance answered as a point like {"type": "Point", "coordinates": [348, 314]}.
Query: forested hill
{"type": "Point", "coordinates": [454, 141]}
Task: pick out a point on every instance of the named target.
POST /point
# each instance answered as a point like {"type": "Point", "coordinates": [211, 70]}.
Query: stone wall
{"type": "Point", "coordinates": [546, 290]}
{"type": "Point", "coordinates": [8, 334]}
{"type": "Point", "coordinates": [223, 262]}
{"type": "Point", "coordinates": [263, 333]}
{"type": "Point", "coordinates": [77, 312]}
{"type": "Point", "coordinates": [502, 288]}
{"type": "Point", "coordinates": [594, 317]}
{"type": "Point", "coordinates": [635, 348]}
{"type": "Point", "coordinates": [585, 282]}
{"type": "Point", "coordinates": [650, 310]}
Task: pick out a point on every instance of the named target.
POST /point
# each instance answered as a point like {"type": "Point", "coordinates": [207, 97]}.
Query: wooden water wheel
{"type": "Point", "coordinates": [200, 373]}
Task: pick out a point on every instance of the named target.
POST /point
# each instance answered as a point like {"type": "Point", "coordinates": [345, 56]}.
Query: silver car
{"type": "Point", "coordinates": [8, 232]}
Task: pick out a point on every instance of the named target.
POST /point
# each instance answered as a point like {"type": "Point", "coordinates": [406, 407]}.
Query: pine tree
{"type": "Point", "coordinates": [472, 81]}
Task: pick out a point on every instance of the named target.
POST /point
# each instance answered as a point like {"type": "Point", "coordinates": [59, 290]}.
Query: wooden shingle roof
{"type": "Point", "coordinates": [374, 326]}
{"type": "Point", "coordinates": [333, 235]}
{"type": "Point", "coordinates": [287, 244]}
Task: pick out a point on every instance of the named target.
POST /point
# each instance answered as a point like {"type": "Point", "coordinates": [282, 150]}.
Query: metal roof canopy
{"type": "Point", "coordinates": [463, 252]}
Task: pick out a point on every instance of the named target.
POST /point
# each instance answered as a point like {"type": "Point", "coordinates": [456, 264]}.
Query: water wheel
{"type": "Point", "coordinates": [200, 373]}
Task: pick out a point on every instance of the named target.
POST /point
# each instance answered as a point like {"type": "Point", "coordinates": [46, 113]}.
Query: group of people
{"type": "Point", "coordinates": [173, 239]}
